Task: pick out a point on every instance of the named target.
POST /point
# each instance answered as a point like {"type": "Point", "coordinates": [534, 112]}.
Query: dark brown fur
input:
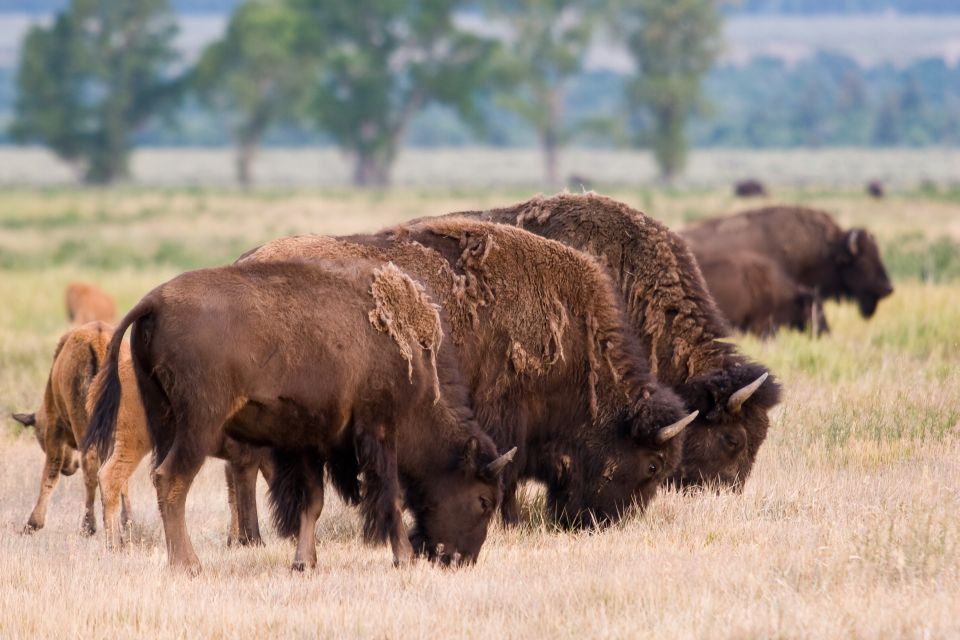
{"type": "Point", "coordinates": [875, 189]}
{"type": "Point", "coordinates": [749, 188]}
{"type": "Point", "coordinates": [755, 295]}
{"type": "Point", "coordinates": [808, 245]}
{"type": "Point", "coordinates": [550, 363]}
{"type": "Point", "coordinates": [249, 350]}
{"type": "Point", "coordinates": [674, 317]}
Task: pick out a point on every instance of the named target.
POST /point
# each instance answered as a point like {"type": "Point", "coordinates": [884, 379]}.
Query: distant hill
{"type": "Point", "coordinates": [806, 7]}
{"type": "Point", "coordinates": [183, 6]}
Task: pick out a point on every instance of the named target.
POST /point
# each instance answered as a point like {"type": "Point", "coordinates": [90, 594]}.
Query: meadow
{"type": "Point", "coordinates": [848, 527]}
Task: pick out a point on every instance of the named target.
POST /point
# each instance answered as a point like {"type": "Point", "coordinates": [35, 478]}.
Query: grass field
{"type": "Point", "coordinates": [849, 526]}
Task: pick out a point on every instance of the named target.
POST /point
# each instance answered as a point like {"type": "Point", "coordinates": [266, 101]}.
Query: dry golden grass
{"type": "Point", "coordinates": [849, 526]}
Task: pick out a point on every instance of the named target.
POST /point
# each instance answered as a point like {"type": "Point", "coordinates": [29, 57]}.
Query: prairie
{"type": "Point", "coordinates": [848, 527]}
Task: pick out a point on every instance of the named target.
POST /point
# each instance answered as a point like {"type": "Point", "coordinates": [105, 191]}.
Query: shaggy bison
{"type": "Point", "coordinates": [675, 318]}
{"type": "Point", "coordinates": [876, 190]}
{"type": "Point", "coordinates": [808, 245]}
{"type": "Point", "coordinates": [337, 362]}
{"type": "Point", "coordinates": [86, 303]}
{"type": "Point", "coordinates": [756, 295]}
{"type": "Point", "coordinates": [550, 364]}
{"type": "Point", "coordinates": [749, 188]}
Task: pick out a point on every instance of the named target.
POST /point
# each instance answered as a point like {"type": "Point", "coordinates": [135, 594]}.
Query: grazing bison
{"type": "Point", "coordinates": [337, 362]}
{"type": "Point", "coordinates": [749, 188]}
{"type": "Point", "coordinates": [809, 246]}
{"type": "Point", "coordinates": [62, 420]}
{"type": "Point", "coordinates": [875, 189]}
{"type": "Point", "coordinates": [551, 367]}
{"type": "Point", "coordinates": [755, 295]}
{"type": "Point", "coordinates": [86, 303]}
{"type": "Point", "coordinates": [675, 318]}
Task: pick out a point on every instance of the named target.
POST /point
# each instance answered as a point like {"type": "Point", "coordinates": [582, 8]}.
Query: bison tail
{"type": "Point", "coordinates": [294, 471]}
{"type": "Point", "coordinates": [105, 390]}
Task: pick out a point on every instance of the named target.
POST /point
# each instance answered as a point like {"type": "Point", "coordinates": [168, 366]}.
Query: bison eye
{"type": "Point", "coordinates": [484, 504]}
{"type": "Point", "coordinates": [652, 469]}
{"type": "Point", "coordinates": [731, 441]}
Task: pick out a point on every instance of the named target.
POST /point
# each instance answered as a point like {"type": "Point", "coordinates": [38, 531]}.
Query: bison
{"type": "Point", "coordinates": [674, 317]}
{"type": "Point", "coordinates": [749, 188]}
{"type": "Point", "coordinates": [62, 421]}
{"type": "Point", "coordinates": [86, 303]}
{"type": "Point", "coordinates": [337, 362]}
{"type": "Point", "coordinates": [755, 295]}
{"type": "Point", "coordinates": [808, 245]}
{"type": "Point", "coordinates": [876, 190]}
{"type": "Point", "coordinates": [551, 366]}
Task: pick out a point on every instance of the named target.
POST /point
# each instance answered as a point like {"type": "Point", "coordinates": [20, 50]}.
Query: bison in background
{"type": "Point", "coordinates": [87, 303]}
{"type": "Point", "coordinates": [875, 189]}
{"type": "Point", "coordinates": [808, 245]}
{"type": "Point", "coordinates": [756, 295]}
{"type": "Point", "coordinates": [551, 365]}
{"type": "Point", "coordinates": [749, 188]}
{"type": "Point", "coordinates": [670, 312]}
{"type": "Point", "coordinates": [336, 362]}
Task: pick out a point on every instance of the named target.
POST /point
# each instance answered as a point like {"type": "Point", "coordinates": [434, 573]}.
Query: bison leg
{"type": "Point", "coordinates": [114, 478]}
{"type": "Point", "coordinates": [233, 535]}
{"type": "Point", "coordinates": [245, 479]}
{"type": "Point", "coordinates": [383, 514]}
{"type": "Point", "coordinates": [173, 479]}
{"type": "Point", "coordinates": [48, 482]}
{"type": "Point", "coordinates": [91, 465]}
{"type": "Point", "coordinates": [306, 554]}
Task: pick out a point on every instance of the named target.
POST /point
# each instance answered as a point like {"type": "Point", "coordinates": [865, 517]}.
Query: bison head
{"type": "Point", "coordinates": [721, 445]}
{"type": "Point", "coordinates": [862, 273]}
{"type": "Point", "coordinates": [453, 510]}
{"type": "Point", "coordinates": [596, 483]}
{"type": "Point", "coordinates": [71, 457]}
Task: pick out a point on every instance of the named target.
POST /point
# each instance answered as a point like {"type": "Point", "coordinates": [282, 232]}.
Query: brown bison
{"type": "Point", "coordinates": [875, 189]}
{"type": "Point", "coordinates": [551, 367]}
{"type": "Point", "coordinates": [808, 245]}
{"type": "Point", "coordinates": [62, 421]}
{"type": "Point", "coordinates": [674, 317]}
{"type": "Point", "coordinates": [755, 295]}
{"type": "Point", "coordinates": [749, 188]}
{"type": "Point", "coordinates": [333, 362]}
{"type": "Point", "coordinates": [86, 303]}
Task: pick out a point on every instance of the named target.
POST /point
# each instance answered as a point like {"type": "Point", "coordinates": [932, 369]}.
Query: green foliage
{"type": "Point", "coordinates": [251, 76]}
{"type": "Point", "coordinates": [381, 61]}
{"type": "Point", "coordinates": [546, 49]}
{"type": "Point", "coordinates": [673, 45]}
{"type": "Point", "coordinates": [87, 82]}
{"type": "Point", "coordinates": [915, 256]}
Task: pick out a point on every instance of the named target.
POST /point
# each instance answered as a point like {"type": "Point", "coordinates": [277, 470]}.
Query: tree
{"type": "Point", "coordinates": [547, 47]}
{"type": "Point", "coordinates": [673, 45]}
{"type": "Point", "coordinates": [252, 75]}
{"type": "Point", "coordinates": [380, 62]}
{"type": "Point", "coordinates": [88, 81]}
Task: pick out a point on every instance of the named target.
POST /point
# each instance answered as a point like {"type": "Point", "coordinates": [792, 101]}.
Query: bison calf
{"type": "Point", "coordinates": [339, 364]}
{"type": "Point", "coordinates": [87, 303]}
{"type": "Point", "coordinates": [756, 295]}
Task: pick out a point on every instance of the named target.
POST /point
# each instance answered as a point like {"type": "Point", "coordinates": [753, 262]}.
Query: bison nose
{"type": "Point", "coordinates": [887, 290]}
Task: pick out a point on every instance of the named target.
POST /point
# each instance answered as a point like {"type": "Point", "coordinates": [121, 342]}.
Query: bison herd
{"type": "Point", "coordinates": [434, 366]}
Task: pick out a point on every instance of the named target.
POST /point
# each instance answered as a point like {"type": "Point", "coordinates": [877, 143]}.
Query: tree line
{"type": "Point", "coordinates": [357, 74]}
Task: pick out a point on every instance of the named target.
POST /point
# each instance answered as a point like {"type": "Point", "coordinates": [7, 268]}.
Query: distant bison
{"type": "Point", "coordinates": [670, 312]}
{"type": "Point", "coordinates": [808, 245]}
{"type": "Point", "coordinates": [875, 189]}
{"type": "Point", "coordinates": [749, 188]}
{"type": "Point", "coordinates": [550, 365]}
{"type": "Point", "coordinates": [335, 363]}
{"type": "Point", "coordinates": [86, 303]}
{"type": "Point", "coordinates": [756, 295]}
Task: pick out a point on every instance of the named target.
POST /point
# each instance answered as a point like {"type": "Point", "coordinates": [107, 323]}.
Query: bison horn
{"type": "Point", "coordinates": [26, 419]}
{"type": "Point", "coordinates": [671, 431]}
{"type": "Point", "coordinates": [852, 242]}
{"type": "Point", "coordinates": [496, 467]}
{"type": "Point", "coordinates": [735, 403]}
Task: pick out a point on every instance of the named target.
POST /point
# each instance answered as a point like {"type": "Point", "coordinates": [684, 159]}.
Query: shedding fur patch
{"type": "Point", "coordinates": [405, 312]}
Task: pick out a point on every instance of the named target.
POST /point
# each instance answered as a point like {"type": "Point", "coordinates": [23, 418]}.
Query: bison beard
{"type": "Point", "coordinates": [550, 364]}
{"type": "Point", "coordinates": [673, 316]}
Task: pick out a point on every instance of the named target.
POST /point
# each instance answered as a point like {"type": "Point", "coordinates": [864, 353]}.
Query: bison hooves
{"type": "Point", "coordinates": [298, 565]}
{"type": "Point", "coordinates": [30, 528]}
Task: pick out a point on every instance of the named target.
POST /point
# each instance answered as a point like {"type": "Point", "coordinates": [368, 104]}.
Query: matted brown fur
{"type": "Point", "coordinates": [673, 315]}
{"type": "Point", "coordinates": [755, 294]}
{"type": "Point", "coordinates": [808, 245]}
{"type": "Point", "coordinates": [88, 303]}
{"type": "Point", "coordinates": [550, 363]}
{"type": "Point", "coordinates": [286, 356]}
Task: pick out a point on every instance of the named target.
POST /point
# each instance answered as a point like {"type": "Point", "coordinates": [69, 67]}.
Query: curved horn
{"type": "Point", "coordinates": [26, 419]}
{"type": "Point", "coordinates": [740, 396]}
{"type": "Point", "coordinates": [852, 242]}
{"type": "Point", "coordinates": [669, 432]}
{"type": "Point", "coordinates": [496, 467]}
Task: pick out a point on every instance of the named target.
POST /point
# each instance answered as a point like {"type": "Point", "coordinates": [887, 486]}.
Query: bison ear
{"type": "Point", "coordinates": [26, 419]}
{"type": "Point", "coordinates": [470, 456]}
